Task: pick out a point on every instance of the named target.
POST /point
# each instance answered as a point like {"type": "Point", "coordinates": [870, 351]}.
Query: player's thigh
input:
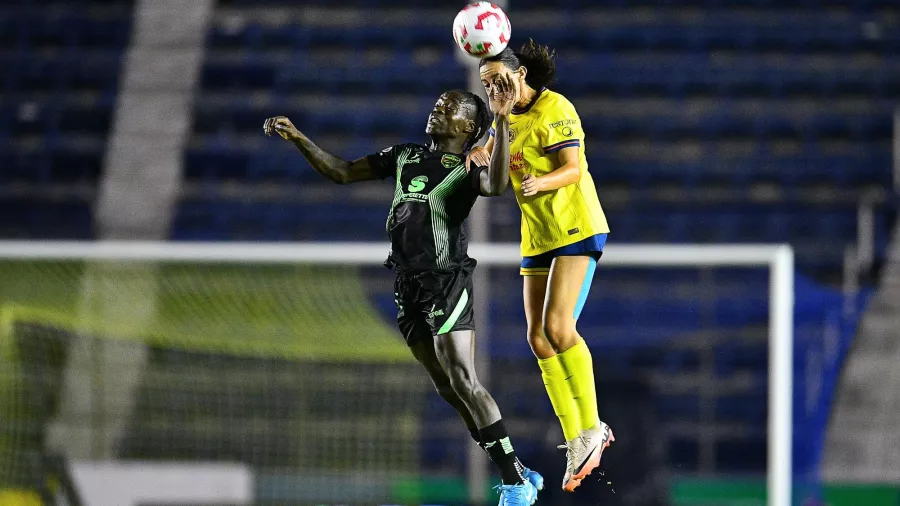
{"type": "Point", "coordinates": [534, 292]}
{"type": "Point", "coordinates": [424, 352]}
{"type": "Point", "coordinates": [456, 353]}
{"type": "Point", "coordinates": [566, 288]}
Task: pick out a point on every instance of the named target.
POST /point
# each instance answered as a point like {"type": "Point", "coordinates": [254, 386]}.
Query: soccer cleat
{"type": "Point", "coordinates": [522, 494]}
{"type": "Point", "coordinates": [583, 454]}
{"type": "Point", "coordinates": [534, 478]}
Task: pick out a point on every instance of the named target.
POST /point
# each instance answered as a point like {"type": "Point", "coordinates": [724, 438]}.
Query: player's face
{"type": "Point", "coordinates": [449, 118]}
{"type": "Point", "coordinates": [496, 72]}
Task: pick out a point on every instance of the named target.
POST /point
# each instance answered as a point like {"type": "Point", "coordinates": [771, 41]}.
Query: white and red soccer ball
{"type": "Point", "coordinates": [481, 30]}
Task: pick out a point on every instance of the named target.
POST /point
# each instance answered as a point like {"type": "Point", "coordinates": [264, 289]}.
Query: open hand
{"type": "Point", "coordinates": [504, 95]}
{"type": "Point", "coordinates": [531, 185]}
{"type": "Point", "coordinates": [479, 157]}
{"type": "Point", "coordinates": [282, 126]}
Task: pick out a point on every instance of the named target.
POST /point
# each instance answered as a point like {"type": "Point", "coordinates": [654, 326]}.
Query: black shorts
{"type": "Point", "coordinates": [433, 302]}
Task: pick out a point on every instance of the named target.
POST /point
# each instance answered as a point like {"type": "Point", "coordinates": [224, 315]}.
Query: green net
{"type": "Point", "coordinates": [286, 367]}
{"type": "Point", "coordinates": [285, 311]}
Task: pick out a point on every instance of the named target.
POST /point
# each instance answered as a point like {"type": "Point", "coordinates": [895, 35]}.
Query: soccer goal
{"type": "Point", "coordinates": [282, 357]}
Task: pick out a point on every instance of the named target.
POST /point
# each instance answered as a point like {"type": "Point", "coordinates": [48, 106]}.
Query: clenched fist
{"type": "Point", "coordinates": [282, 126]}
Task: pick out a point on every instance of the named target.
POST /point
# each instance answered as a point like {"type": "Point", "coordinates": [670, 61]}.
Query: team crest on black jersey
{"type": "Point", "coordinates": [449, 161]}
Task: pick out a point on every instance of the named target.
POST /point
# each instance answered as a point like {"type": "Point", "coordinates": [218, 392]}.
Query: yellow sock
{"type": "Point", "coordinates": [579, 368]}
{"type": "Point", "coordinates": [558, 390]}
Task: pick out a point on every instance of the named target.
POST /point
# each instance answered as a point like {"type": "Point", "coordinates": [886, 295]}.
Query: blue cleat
{"type": "Point", "coordinates": [534, 478]}
{"type": "Point", "coordinates": [523, 494]}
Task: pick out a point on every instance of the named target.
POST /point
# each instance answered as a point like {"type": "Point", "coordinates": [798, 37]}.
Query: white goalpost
{"type": "Point", "coordinates": [779, 259]}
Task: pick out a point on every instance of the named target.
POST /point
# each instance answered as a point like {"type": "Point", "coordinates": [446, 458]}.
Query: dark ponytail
{"type": "Point", "coordinates": [539, 60]}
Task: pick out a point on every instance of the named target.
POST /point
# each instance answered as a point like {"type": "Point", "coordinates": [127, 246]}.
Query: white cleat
{"type": "Point", "coordinates": [583, 454]}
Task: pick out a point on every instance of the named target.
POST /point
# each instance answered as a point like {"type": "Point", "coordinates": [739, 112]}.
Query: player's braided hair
{"type": "Point", "coordinates": [539, 60]}
{"type": "Point", "coordinates": [482, 118]}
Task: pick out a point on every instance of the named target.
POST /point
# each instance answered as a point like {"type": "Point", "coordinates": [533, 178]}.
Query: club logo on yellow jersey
{"type": "Point", "coordinates": [512, 135]}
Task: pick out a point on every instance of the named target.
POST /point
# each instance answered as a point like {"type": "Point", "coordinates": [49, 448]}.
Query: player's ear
{"type": "Point", "coordinates": [522, 71]}
{"type": "Point", "coordinates": [469, 126]}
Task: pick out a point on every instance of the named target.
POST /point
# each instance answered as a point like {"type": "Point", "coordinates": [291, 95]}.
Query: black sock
{"type": "Point", "coordinates": [477, 437]}
{"type": "Point", "coordinates": [496, 441]}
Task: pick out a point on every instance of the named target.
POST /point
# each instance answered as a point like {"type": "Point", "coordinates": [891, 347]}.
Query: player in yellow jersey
{"type": "Point", "coordinates": [563, 234]}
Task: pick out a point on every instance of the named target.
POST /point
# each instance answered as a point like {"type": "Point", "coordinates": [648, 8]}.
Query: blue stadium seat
{"type": "Point", "coordinates": [92, 118]}
{"type": "Point", "coordinates": [37, 218]}
{"type": "Point", "coordinates": [222, 220]}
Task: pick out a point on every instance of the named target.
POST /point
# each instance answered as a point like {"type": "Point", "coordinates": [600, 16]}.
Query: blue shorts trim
{"type": "Point", "coordinates": [540, 264]}
{"type": "Point", "coordinates": [585, 287]}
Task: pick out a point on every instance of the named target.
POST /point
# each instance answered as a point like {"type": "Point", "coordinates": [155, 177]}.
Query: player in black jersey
{"type": "Point", "coordinates": [433, 290]}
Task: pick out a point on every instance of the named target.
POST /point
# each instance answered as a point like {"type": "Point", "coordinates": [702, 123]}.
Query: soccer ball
{"type": "Point", "coordinates": [481, 30]}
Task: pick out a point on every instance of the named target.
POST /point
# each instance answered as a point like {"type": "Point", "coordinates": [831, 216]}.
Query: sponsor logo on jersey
{"type": "Point", "coordinates": [563, 122]}
{"type": "Point", "coordinates": [414, 197]}
{"type": "Point", "coordinates": [417, 184]}
{"type": "Point", "coordinates": [517, 161]}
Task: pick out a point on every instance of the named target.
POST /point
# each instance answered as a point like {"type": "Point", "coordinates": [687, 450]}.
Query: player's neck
{"type": "Point", "coordinates": [528, 96]}
{"type": "Point", "coordinates": [447, 145]}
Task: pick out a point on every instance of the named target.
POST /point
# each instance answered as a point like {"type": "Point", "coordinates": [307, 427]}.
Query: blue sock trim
{"type": "Point", "coordinates": [585, 287]}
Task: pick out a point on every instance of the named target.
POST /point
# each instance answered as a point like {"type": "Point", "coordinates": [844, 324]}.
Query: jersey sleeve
{"type": "Point", "coordinates": [475, 179]}
{"type": "Point", "coordinates": [560, 128]}
{"type": "Point", "coordinates": [384, 163]}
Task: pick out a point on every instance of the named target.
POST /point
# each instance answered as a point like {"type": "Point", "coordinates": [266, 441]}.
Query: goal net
{"type": "Point", "coordinates": [284, 359]}
{"type": "Point", "coordinates": [142, 353]}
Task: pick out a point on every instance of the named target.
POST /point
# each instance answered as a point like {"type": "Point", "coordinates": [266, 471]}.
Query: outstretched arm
{"type": "Point", "coordinates": [503, 97]}
{"type": "Point", "coordinates": [495, 180]}
{"type": "Point", "coordinates": [332, 167]}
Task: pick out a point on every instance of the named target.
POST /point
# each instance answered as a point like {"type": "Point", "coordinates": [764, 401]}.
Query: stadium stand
{"type": "Point", "coordinates": [704, 124]}
{"type": "Point", "coordinates": [710, 121]}
{"type": "Point", "coordinates": [61, 65]}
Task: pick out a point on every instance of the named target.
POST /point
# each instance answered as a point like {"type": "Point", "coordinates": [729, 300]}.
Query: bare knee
{"type": "Point", "coordinates": [560, 331]}
{"type": "Point", "coordinates": [464, 383]}
{"type": "Point", "coordinates": [538, 343]}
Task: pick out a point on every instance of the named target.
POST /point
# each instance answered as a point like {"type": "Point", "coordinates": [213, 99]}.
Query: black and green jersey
{"type": "Point", "coordinates": [433, 197]}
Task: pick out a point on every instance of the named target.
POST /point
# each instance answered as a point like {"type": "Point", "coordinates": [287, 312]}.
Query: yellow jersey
{"type": "Point", "coordinates": [555, 218]}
